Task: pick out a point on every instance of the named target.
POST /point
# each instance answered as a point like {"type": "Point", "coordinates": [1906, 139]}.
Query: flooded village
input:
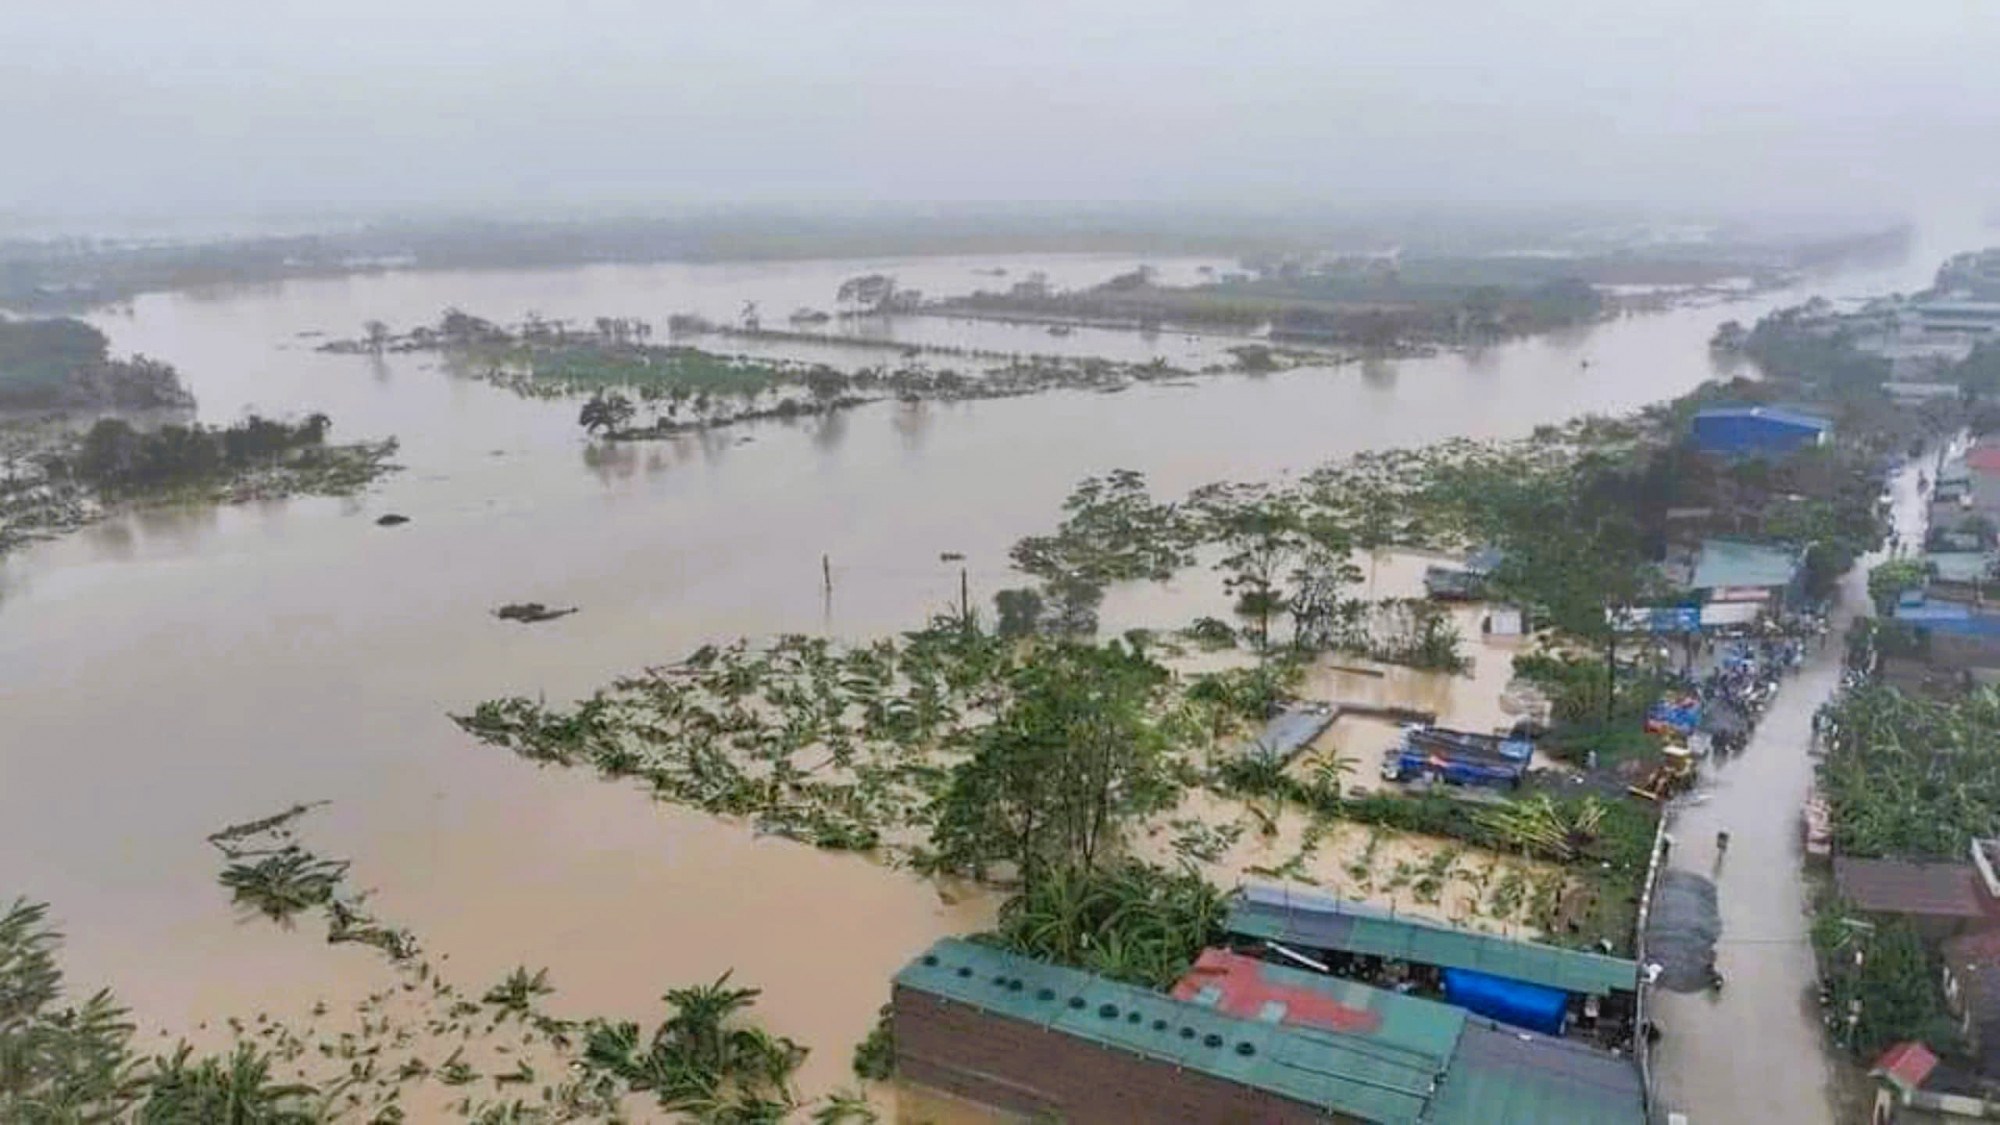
{"type": "Point", "coordinates": [1326, 732]}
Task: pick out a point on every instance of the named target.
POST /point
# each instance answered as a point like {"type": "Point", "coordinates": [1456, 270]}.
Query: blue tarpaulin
{"type": "Point", "coordinates": [1674, 619]}
{"type": "Point", "coordinates": [1532, 1006]}
{"type": "Point", "coordinates": [1681, 714]}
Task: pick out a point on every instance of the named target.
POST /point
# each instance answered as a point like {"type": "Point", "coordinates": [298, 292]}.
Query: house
{"type": "Point", "coordinates": [1735, 571]}
{"type": "Point", "coordinates": [1234, 1043]}
{"type": "Point", "coordinates": [1940, 899]}
{"type": "Point", "coordinates": [1756, 431]}
{"type": "Point", "coordinates": [1525, 983]}
{"type": "Point", "coordinates": [1982, 463]}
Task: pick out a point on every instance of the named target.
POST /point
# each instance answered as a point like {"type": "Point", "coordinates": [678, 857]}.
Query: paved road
{"type": "Point", "coordinates": [1755, 1052]}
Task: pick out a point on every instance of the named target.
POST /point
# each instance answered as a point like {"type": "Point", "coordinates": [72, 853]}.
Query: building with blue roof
{"type": "Point", "coordinates": [1756, 431]}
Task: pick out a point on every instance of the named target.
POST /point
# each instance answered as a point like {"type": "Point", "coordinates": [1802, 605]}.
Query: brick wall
{"type": "Point", "coordinates": [1019, 1067]}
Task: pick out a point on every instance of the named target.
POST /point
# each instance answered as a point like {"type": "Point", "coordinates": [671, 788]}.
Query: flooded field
{"type": "Point", "coordinates": [166, 673]}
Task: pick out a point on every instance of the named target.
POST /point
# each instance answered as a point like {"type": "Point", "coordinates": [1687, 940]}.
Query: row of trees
{"type": "Point", "coordinates": [117, 457]}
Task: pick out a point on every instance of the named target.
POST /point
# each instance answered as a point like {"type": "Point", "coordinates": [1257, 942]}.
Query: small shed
{"type": "Point", "coordinates": [1900, 1072]}
{"type": "Point", "coordinates": [1756, 431]}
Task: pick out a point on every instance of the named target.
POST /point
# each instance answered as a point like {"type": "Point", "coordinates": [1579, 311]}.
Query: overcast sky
{"type": "Point", "coordinates": [221, 104]}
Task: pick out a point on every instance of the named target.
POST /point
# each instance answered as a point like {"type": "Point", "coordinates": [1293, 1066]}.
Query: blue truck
{"type": "Point", "coordinates": [1457, 757]}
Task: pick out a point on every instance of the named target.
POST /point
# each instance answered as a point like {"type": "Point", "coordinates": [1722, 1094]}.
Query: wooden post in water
{"type": "Point", "coordinates": [826, 574]}
{"type": "Point", "coordinates": [964, 600]}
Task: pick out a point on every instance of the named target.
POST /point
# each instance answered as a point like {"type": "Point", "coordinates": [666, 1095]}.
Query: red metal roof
{"type": "Point", "coordinates": [1985, 458]}
{"type": "Point", "coordinates": [1906, 1064]}
{"type": "Point", "coordinates": [1245, 990]}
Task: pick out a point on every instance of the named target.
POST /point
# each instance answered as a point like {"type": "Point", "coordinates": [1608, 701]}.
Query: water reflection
{"type": "Point", "coordinates": [912, 423]}
{"type": "Point", "coordinates": [829, 430]}
{"type": "Point", "coordinates": [114, 538]}
{"type": "Point", "coordinates": [612, 461]}
{"type": "Point", "coordinates": [182, 525]}
{"type": "Point", "coordinates": [1379, 373]}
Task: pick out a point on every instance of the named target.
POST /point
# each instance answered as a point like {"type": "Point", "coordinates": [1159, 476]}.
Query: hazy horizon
{"type": "Point", "coordinates": [231, 108]}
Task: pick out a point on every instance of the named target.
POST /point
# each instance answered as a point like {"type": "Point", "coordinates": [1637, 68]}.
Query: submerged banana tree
{"type": "Point", "coordinates": [704, 1060]}
{"type": "Point", "coordinates": [238, 1090]}
{"type": "Point", "coordinates": [282, 884]}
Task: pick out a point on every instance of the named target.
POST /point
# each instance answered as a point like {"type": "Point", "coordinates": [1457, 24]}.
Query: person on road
{"type": "Point", "coordinates": [1721, 842]}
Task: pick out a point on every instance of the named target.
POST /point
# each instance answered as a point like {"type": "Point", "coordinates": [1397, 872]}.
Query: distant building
{"type": "Point", "coordinates": [1963, 317]}
{"type": "Point", "coordinates": [1030, 1038]}
{"type": "Point", "coordinates": [1911, 393]}
{"type": "Point", "coordinates": [1756, 431]}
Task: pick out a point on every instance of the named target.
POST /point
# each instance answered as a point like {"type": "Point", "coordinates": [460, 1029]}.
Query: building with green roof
{"type": "Point", "coordinates": [1029, 1037]}
{"type": "Point", "coordinates": [1321, 922]}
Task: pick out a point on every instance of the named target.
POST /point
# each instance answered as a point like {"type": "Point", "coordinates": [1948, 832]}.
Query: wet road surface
{"type": "Point", "coordinates": [1755, 1051]}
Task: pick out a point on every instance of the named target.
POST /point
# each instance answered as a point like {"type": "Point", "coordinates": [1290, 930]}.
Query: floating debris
{"type": "Point", "coordinates": [528, 613]}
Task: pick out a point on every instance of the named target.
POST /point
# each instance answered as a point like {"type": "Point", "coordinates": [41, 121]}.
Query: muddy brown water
{"type": "Point", "coordinates": [166, 673]}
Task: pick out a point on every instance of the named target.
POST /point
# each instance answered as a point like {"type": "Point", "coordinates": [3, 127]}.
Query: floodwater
{"type": "Point", "coordinates": [1756, 1050]}
{"type": "Point", "coordinates": [166, 673]}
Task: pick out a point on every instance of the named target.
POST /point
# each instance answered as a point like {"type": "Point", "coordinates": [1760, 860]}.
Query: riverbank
{"type": "Point", "coordinates": [59, 480]}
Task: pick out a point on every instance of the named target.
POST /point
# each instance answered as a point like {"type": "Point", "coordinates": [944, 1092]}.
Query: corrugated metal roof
{"type": "Point", "coordinates": [1424, 1063]}
{"type": "Point", "coordinates": [1319, 922]}
{"type": "Point", "coordinates": [1733, 562]}
{"type": "Point", "coordinates": [1906, 1064]}
{"type": "Point", "coordinates": [1966, 567]}
{"type": "Point", "coordinates": [1241, 986]}
{"type": "Point", "coordinates": [1892, 886]}
{"type": "Point", "coordinates": [1777, 414]}
{"type": "Point", "coordinates": [1984, 458]}
{"type": "Point", "coordinates": [1921, 612]}
{"type": "Point", "coordinates": [1368, 1076]}
{"type": "Point", "coordinates": [1503, 1077]}
{"type": "Point", "coordinates": [1290, 731]}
